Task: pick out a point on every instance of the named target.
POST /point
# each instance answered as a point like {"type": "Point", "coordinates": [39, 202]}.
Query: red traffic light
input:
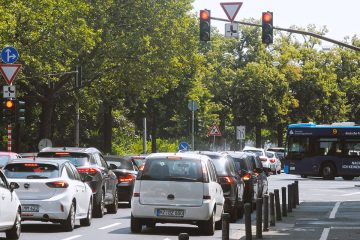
{"type": "Point", "coordinates": [204, 15]}
{"type": "Point", "coordinates": [266, 17]}
{"type": "Point", "coordinates": [9, 104]}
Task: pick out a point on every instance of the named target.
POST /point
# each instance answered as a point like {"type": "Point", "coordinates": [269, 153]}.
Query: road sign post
{"type": "Point", "coordinates": [214, 131]}
{"type": "Point", "coordinates": [193, 106]}
{"type": "Point", "coordinates": [240, 134]}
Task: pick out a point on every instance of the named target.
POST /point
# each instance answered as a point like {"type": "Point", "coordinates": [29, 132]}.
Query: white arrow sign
{"type": "Point", "coordinates": [231, 9]}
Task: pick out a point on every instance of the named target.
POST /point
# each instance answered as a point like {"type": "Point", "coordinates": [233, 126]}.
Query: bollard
{"type": "Point", "coordinates": [293, 200]}
{"type": "Point", "coordinates": [225, 226]}
{"type": "Point", "coordinates": [289, 198]}
{"type": "Point", "coordinates": [259, 203]}
{"type": "Point", "coordinates": [183, 236]}
{"type": "Point", "coordinates": [266, 213]}
{"type": "Point", "coordinates": [277, 205]}
{"type": "Point", "coordinates": [297, 192]}
{"type": "Point", "coordinates": [283, 201]}
{"type": "Point", "coordinates": [272, 210]}
{"type": "Point", "coordinates": [247, 209]}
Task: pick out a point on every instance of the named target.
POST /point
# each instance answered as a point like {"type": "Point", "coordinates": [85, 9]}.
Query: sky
{"type": "Point", "coordinates": [340, 17]}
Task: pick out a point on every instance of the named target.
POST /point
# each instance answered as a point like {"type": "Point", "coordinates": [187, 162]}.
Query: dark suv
{"type": "Point", "coordinates": [231, 183]}
{"type": "Point", "coordinates": [90, 161]}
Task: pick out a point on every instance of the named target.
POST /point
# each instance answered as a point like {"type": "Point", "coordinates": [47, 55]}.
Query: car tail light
{"type": "Point", "coordinates": [126, 178]}
{"type": "Point", "coordinates": [226, 180]}
{"type": "Point", "coordinates": [57, 184]}
{"type": "Point", "coordinates": [263, 159]}
{"type": "Point", "coordinates": [136, 194]}
{"type": "Point", "coordinates": [272, 160]}
{"type": "Point", "coordinates": [246, 177]}
{"type": "Point", "coordinates": [206, 197]}
{"type": "Point", "coordinates": [88, 170]}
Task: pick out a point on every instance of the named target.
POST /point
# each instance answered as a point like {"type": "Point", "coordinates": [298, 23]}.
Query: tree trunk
{"type": "Point", "coordinates": [153, 134]}
{"type": "Point", "coordinates": [47, 110]}
{"type": "Point", "coordinates": [107, 127]}
{"type": "Point", "coordinates": [258, 135]}
{"type": "Point", "coordinates": [280, 135]}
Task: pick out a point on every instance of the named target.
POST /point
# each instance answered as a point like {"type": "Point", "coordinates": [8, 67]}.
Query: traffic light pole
{"type": "Point", "coordinates": [296, 31]}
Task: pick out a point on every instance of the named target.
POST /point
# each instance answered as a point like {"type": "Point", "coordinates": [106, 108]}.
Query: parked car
{"type": "Point", "coordinates": [90, 161]}
{"type": "Point", "coordinates": [280, 154]}
{"type": "Point", "coordinates": [51, 190]}
{"type": "Point", "coordinates": [177, 188]}
{"type": "Point", "coordinates": [126, 171]}
{"type": "Point", "coordinates": [231, 183]}
{"type": "Point", "coordinates": [139, 160]}
{"type": "Point", "coordinates": [10, 208]}
{"type": "Point", "coordinates": [5, 157]}
{"type": "Point", "coordinates": [260, 152]}
{"type": "Point", "coordinates": [28, 154]}
{"type": "Point", "coordinates": [275, 164]}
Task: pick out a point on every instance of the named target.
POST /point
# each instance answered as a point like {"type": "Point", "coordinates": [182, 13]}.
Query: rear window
{"type": "Point", "coordinates": [31, 170]}
{"type": "Point", "coordinates": [241, 163]}
{"type": "Point", "coordinates": [78, 159]}
{"type": "Point", "coordinates": [172, 170]}
{"type": "Point", "coordinates": [257, 153]}
{"type": "Point", "coordinates": [222, 166]}
{"type": "Point", "coordinates": [4, 159]}
{"type": "Point", "coordinates": [121, 164]}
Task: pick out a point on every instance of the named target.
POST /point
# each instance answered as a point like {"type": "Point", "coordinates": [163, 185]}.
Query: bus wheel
{"type": "Point", "coordinates": [349, 178]}
{"type": "Point", "coordinates": [328, 171]}
{"type": "Point", "coordinates": [303, 176]}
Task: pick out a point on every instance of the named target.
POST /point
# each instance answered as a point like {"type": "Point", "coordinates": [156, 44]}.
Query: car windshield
{"type": "Point", "coordinates": [121, 164]}
{"type": "Point", "coordinates": [78, 159]}
{"type": "Point", "coordinates": [4, 159]}
{"type": "Point", "coordinates": [257, 152]}
{"type": "Point", "coordinates": [172, 170]}
{"type": "Point", "coordinates": [31, 170]}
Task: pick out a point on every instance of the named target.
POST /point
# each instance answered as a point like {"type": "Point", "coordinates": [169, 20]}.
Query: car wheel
{"type": "Point", "coordinates": [15, 231]}
{"type": "Point", "coordinates": [348, 178]}
{"type": "Point", "coordinates": [279, 172]}
{"type": "Point", "coordinates": [87, 221]}
{"type": "Point", "coordinates": [241, 212]}
{"type": "Point", "coordinates": [151, 225]}
{"type": "Point", "coordinates": [303, 176]}
{"type": "Point", "coordinates": [328, 171]}
{"type": "Point", "coordinates": [218, 224]}
{"type": "Point", "coordinates": [112, 208]}
{"type": "Point", "coordinates": [135, 225]}
{"type": "Point", "coordinates": [208, 227]}
{"type": "Point", "coordinates": [99, 206]}
{"type": "Point", "coordinates": [69, 223]}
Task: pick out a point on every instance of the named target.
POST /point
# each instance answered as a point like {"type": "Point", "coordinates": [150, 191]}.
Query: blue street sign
{"type": "Point", "coordinates": [184, 146]}
{"type": "Point", "coordinates": [9, 55]}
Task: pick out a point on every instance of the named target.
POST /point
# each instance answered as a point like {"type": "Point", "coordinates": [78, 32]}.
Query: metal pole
{"type": "Point", "coordinates": [289, 198]}
{"type": "Point", "coordinates": [293, 200]}
{"type": "Point", "coordinates": [247, 209]}
{"type": "Point", "coordinates": [214, 144]}
{"type": "Point", "coordinates": [225, 226]}
{"type": "Point", "coordinates": [259, 204]}
{"type": "Point", "coordinates": [277, 205]}
{"type": "Point", "coordinates": [297, 192]}
{"type": "Point", "coordinates": [272, 210]}
{"type": "Point", "coordinates": [144, 136]}
{"type": "Point", "coordinates": [77, 123]}
{"type": "Point", "coordinates": [266, 213]}
{"type": "Point", "coordinates": [9, 134]}
{"type": "Point", "coordinates": [283, 201]}
{"type": "Point", "coordinates": [192, 126]}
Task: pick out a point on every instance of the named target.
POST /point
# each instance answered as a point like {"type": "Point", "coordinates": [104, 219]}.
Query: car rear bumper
{"type": "Point", "coordinates": [48, 209]}
{"type": "Point", "coordinates": [125, 193]}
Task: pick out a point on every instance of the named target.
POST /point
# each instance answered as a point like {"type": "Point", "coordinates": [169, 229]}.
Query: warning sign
{"type": "Point", "coordinates": [214, 131]}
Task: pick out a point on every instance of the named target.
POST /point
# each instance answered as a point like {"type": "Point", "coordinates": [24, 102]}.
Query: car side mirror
{"type": "Point", "coordinates": [13, 186]}
{"type": "Point", "coordinates": [112, 166]}
{"type": "Point", "coordinates": [86, 178]}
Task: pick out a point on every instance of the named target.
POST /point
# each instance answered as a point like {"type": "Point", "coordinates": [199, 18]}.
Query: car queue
{"type": "Point", "coordinates": [62, 185]}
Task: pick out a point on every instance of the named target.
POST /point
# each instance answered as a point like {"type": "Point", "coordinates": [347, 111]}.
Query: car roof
{"type": "Point", "coordinates": [70, 149]}
{"type": "Point", "coordinates": [8, 153]}
{"type": "Point", "coordinates": [237, 154]}
{"type": "Point", "coordinates": [53, 161]}
{"type": "Point", "coordinates": [183, 155]}
{"type": "Point", "coordinates": [253, 148]}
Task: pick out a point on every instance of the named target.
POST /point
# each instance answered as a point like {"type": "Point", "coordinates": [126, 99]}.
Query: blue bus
{"type": "Point", "coordinates": [326, 151]}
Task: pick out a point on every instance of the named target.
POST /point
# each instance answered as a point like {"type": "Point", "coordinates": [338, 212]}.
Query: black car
{"type": "Point", "coordinates": [231, 183]}
{"type": "Point", "coordinates": [90, 161]}
{"type": "Point", "coordinates": [126, 171]}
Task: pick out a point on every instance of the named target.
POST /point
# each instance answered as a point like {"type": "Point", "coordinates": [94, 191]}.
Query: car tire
{"type": "Point", "coordinates": [69, 222]}
{"type": "Point", "coordinates": [328, 171]}
{"type": "Point", "coordinates": [112, 208]}
{"type": "Point", "coordinates": [15, 231]}
{"type": "Point", "coordinates": [151, 225]}
{"type": "Point", "coordinates": [241, 212]}
{"type": "Point", "coordinates": [348, 178]}
{"type": "Point", "coordinates": [279, 172]}
{"type": "Point", "coordinates": [135, 224]}
{"type": "Point", "coordinates": [87, 221]}
{"type": "Point", "coordinates": [303, 176]}
{"type": "Point", "coordinates": [99, 206]}
{"type": "Point", "coordinates": [208, 227]}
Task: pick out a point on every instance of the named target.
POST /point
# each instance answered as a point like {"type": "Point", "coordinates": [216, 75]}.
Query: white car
{"type": "Point", "coordinates": [51, 190]}
{"type": "Point", "coordinates": [10, 208]}
{"type": "Point", "coordinates": [275, 164]}
{"type": "Point", "coordinates": [177, 188]}
{"type": "Point", "coordinates": [260, 152]}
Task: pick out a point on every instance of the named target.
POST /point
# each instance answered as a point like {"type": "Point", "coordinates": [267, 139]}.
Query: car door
{"type": "Point", "coordinates": [216, 189]}
{"type": "Point", "coordinates": [8, 206]}
{"type": "Point", "coordinates": [78, 188]}
{"type": "Point", "coordinates": [83, 195]}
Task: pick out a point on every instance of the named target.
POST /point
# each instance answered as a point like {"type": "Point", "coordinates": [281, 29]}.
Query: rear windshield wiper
{"type": "Point", "coordinates": [185, 178]}
{"type": "Point", "coordinates": [35, 177]}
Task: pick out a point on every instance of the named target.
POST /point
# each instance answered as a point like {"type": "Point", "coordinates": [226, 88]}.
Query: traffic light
{"type": "Point", "coordinates": [205, 25]}
{"type": "Point", "coordinates": [9, 111]}
{"type": "Point", "coordinates": [267, 27]}
{"type": "Point", "coordinates": [20, 111]}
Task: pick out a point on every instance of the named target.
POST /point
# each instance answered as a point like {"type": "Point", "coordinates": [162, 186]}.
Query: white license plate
{"type": "Point", "coordinates": [170, 212]}
{"type": "Point", "coordinates": [292, 168]}
{"type": "Point", "coordinates": [30, 208]}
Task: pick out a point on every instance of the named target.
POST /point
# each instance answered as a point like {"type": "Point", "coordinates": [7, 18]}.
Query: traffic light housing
{"type": "Point", "coordinates": [205, 25]}
{"type": "Point", "coordinates": [9, 111]}
{"type": "Point", "coordinates": [20, 111]}
{"type": "Point", "coordinates": [267, 27]}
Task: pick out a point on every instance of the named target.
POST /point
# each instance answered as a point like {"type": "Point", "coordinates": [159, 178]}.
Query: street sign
{"type": "Point", "coordinates": [44, 143]}
{"type": "Point", "coordinates": [232, 30]}
{"type": "Point", "coordinates": [9, 55]}
{"type": "Point", "coordinates": [214, 131]}
{"type": "Point", "coordinates": [231, 9]}
{"type": "Point", "coordinates": [9, 71]}
{"type": "Point", "coordinates": [184, 146]}
{"type": "Point", "coordinates": [240, 132]}
{"type": "Point", "coordinates": [193, 106]}
{"type": "Point", "coordinates": [9, 92]}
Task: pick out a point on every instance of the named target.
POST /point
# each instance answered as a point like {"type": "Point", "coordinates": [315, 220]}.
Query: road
{"type": "Point", "coordinates": [319, 195]}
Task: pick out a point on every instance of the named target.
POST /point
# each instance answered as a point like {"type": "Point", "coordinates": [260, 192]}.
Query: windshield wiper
{"type": "Point", "coordinates": [35, 177]}
{"type": "Point", "coordinates": [184, 178]}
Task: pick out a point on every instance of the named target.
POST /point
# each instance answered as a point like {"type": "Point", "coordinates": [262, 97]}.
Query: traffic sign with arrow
{"type": "Point", "coordinates": [9, 55]}
{"type": "Point", "coordinates": [9, 71]}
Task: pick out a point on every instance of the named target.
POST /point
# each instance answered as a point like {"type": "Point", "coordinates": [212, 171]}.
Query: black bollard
{"type": "Point", "coordinates": [225, 226]}
{"type": "Point", "coordinates": [289, 198]}
{"type": "Point", "coordinates": [297, 192]}
{"type": "Point", "coordinates": [266, 213]}
{"type": "Point", "coordinates": [247, 209]}
{"type": "Point", "coordinates": [259, 204]}
{"type": "Point", "coordinates": [183, 236]}
{"type": "Point", "coordinates": [272, 210]}
{"type": "Point", "coordinates": [277, 205]}
{"type": "Point", "coordinates": [293, 200]}
{"type": "Point", "coordinates": [283, 201]}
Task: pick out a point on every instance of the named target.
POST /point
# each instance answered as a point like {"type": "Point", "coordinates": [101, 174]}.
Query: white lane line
{"type": "Point", "coordinates": [335, 209]}
{"type": "Point", "coordinates": [109, 226]}
{"type": "Point", "coordinates": [325, 234]}
{"type": "Point", "coordinates": [349, 194]}
{"type": "Point", "coordinates": [73, 237]}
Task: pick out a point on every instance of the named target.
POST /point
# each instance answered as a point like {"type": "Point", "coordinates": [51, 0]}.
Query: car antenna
{"type": "Point", "coordinates": [34, 157]}
{"type": "Point", "coordinates": [64, 148]}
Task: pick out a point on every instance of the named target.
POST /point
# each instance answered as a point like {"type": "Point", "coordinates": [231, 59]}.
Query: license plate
{"type": "Point", "coordinates": [292, 168]}
{"type": "Point", "coordinates": [170, 212]}
{"type": "Point", "coordinates": [30, 208]}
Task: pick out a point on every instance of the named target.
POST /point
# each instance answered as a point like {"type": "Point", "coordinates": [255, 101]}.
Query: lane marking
{"type": "Point", "coordinates": [73, 237]}
{"type": "Point", "coordinates": [109, 226]}
{"type": "Point", "coordinates": [325, 234]}
{"type": "Point", "coordinates": [349, 194]}
{"type": "Point", "coordinates": [335, 209]}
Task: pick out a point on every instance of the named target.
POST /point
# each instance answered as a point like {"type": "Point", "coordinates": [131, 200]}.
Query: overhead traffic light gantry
{"type": "Point", "coordinates": [267, 27]}
{"type": "Point", "coordinates": [205, 25]}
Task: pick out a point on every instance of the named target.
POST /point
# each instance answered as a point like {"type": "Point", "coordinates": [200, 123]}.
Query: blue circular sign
{"type": "Point", "coordinates": [184, 146]}
{"type": "Point", "coordinates": [9, 55]}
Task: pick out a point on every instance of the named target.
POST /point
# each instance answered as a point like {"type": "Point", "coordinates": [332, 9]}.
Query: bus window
{"type": "Point", "coordinates": [352, 147]}
{"type": "Point", "coordinates": [329, 146]}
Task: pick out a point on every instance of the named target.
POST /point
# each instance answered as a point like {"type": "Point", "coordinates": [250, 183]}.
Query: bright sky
{"type": "Point", "coordinates": [340, 17]}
